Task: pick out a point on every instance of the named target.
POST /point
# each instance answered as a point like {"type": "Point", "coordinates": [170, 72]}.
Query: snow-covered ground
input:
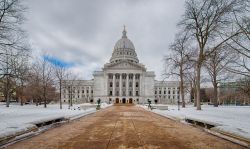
{"type": "Point", "coordinates": [231, 119]}
{"type": "Point", "coordinates": [18, 118]}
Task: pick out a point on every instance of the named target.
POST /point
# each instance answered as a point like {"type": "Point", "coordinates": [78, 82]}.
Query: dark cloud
{"type": "Point", "coordinates": [84, 32]}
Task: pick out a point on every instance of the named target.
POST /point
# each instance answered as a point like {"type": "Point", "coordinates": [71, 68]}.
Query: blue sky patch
{"type": "Point", "coordinates": [57, 62]}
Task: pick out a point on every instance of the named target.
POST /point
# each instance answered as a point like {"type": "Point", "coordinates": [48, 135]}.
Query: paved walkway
{"type": "Point", "coordinates": [125, 127]}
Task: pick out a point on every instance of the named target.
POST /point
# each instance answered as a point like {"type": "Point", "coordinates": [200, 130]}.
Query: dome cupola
{"type": "Point", "coordinates": [124, 50]}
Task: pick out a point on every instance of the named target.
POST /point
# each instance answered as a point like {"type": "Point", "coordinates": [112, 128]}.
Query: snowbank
{"type": "Point", "coordinates": [232, 119]}
{"type": "Point", "coordinates": [18, 118]}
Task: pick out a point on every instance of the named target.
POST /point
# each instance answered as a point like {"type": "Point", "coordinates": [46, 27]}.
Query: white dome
{"type": "Point", "coordinates": [124, 43]}
{"type": "Point", "coordinates": [124, 50]}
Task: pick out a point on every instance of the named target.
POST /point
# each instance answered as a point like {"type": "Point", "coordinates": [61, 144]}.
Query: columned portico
{"type": "Point", "coordinates": [126, 91]}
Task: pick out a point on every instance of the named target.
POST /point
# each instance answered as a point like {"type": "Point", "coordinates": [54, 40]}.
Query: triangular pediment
{"type": "Point", "coordinates": [125, 65]}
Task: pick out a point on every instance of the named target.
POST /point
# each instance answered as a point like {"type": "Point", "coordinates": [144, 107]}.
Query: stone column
{"type": "Point", "coordinates": [127, 75]}
{"type": "Point", "coordinates": [85, 93]}
{"type": "Point", "coordinates": [133, 84]}
{"type": "Point", "coordinates": [89, 93]}
{"type": "Point", "coordinates": [113, 92]}
{"type": "Point", "coordinates": [120, 85]}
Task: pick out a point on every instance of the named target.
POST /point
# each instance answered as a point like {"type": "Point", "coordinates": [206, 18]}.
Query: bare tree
{"type": "Point", "coordinates": [70, 84]}
{"type": "Point", "coordinates": [12, 41]}
{"type": "Point", "coordinates": [61, 74]}
{"type": "Point", "coordinates": [208, 21]}
{"type": "Point", "coordinates": [43, 69]}
{"type": "Point", "coordinates": [22, 75]}
{"type": "Point", "coordinates": [178, 61]}
{"type": "Point", "coordinates": [216, 65]}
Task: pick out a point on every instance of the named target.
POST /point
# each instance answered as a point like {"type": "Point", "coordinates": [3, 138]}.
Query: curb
{"type": "Point", "coordinates": [10, 138]}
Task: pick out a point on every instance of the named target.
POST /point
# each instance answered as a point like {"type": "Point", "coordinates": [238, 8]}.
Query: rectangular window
{"type": "Point", "coordinates": [110, 93]}
{"type": "Point", "coordinates": [87, 91]}
{"type": "Point", "coordinates": [137, 93]}
{"type": "Point", "coordinates": [137, 84]}
{"type": "Point", "coordinates": [155, 92]}
{"type": "Point", "coordinates": [124, 84]}
{"type": "Point", "coordinates": [137, 76]}
{"type": "Point", "coordinates": [130, 84]}
{"type": "Point", "coordinates": [117, 84]}
{"type": "Point", "coordinates": [123, 93]}
{"type": "Point", "coordinates": [82, 91]}
{"type": "Point", "coordinates": [130, 93]}
{"type": "Point", "coordinates": [111, 84]}
{"type": "Point", "coordinates": [110, 76]}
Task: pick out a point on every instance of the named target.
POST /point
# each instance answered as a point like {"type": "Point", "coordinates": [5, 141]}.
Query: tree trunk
{"type": "Point", "coordinates": [36, 102]}
{"type": "Point", "coordinates": [182, 91]}
{"type": "Point", "coordinates": [215, 94]}
{"type": "Point", "coordinates": [195, 98]}
{"type": "Point", "coordinates": [44, 96]}
{"type": "Point", "coordinates": [21, 101]}
{"type": "Point", "coordinates": [60, 86]}
{"type": "Point", "coordinates": [21, 94]}
{"type": "Point", "coordinates": [198, 77]}
{"type": "Point", "coordinates": [7, 92]}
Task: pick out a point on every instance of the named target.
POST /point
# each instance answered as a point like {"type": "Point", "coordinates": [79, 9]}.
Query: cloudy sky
{"type": "Point", "coordinates": [82, 33]}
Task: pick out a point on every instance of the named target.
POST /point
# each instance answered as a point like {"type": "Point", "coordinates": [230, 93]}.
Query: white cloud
{"type": "Point", "coordinates": [84, 32]}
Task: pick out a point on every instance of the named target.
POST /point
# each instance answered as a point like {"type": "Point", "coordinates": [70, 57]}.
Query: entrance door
{"type": "Point", "coordinates": [117, 100]}
{"type": "Point", "coordinates": [130, 100]}
{"type": "Point", "coordinates": [123, 100]}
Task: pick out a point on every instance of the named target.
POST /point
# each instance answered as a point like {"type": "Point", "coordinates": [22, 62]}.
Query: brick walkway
{"type": "Point", "coordinates": [124, 127]}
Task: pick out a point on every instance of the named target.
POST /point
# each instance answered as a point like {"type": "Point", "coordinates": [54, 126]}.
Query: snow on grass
{"type": "Point", "coordinates": [18, 118]}
{"type": "Point", "coordinates": [232, 119]}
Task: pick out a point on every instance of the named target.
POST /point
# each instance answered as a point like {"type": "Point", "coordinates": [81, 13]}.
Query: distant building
{"type": "Point", "coordinates": [122, 80]}
{"type": "Point", "coordinates": [234, 92]}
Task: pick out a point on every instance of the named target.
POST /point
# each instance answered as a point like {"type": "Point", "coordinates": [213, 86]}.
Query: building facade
{"type": "Point", "coordinates": [122, 80]}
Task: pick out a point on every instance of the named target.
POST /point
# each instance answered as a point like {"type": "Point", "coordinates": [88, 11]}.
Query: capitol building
{"type": "Point", "coordinates": [122, 80]}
